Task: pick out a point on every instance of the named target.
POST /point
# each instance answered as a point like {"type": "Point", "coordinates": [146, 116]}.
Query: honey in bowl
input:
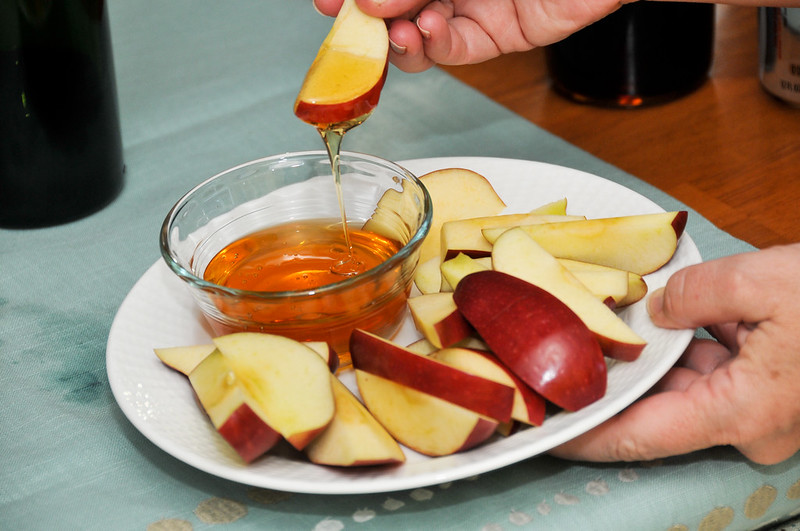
{"type": "Point", "coordinates": [299, 257]}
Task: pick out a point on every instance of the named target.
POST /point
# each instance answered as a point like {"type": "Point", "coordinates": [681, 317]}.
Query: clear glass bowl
{"type": "Point", "coordinates": [299, 186]}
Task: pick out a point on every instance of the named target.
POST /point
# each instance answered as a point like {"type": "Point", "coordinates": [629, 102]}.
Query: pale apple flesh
{"type": "Point", "coordinates": [423, 422]}
{"type": "Point", "coordinates": [516, 254]}
{"type": "Point", "coordinates": [345, 80]}
{"type": "Point", "coordinates": [529, 406]}
{"type": "Point", "coordinates": [639, 243]}
{"type": "Point", "coordinates": [437, 317]}
{"type": "Point", "coordinates": [354, 437]}
{"type": "Point", "coordinates": [381, 357]}
{"type": "Point", "coordinates": [232, 410]}
{"type": "Point", "coordinates": [288, 380]}
{"type": "Point", "coordinates": [536, 335]}
{"type": "Point", "coordinates": [475, 198]}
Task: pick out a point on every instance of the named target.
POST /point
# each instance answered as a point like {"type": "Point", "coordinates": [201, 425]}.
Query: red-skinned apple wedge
{"type": "Point", "coordinates": [536, 336]}
{"type": "Point", "coordinates": [438, 319]}
{"type": "Point", "coordinates": [354, 437]}
{"type": "Point", "coordinates": [345, 80]}
{"type": "Point", "coordinates": [517, 254]}
{"type": "Point", "coordinates": [233, 411]}
{"type": "Point", "coordinates": [639, 243]}
{"type": "Point", "coordinates": [456, 193]}
{"type": "Point", "coordinates": [288, 381]}
{"type": "Point", "coordinates": [529, 406]}
{"type": "Point", "coordinates": [424, 423]}
{"type": "Point", "coordinates": [375, 355]}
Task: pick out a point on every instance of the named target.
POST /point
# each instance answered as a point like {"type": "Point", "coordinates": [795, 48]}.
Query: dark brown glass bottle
{"type": "Point", "coordinates": [642, 54]}
{"type": "Point", "coordinates": [60, 147]}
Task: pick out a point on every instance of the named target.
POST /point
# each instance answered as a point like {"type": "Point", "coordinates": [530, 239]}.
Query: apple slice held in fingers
{"type": "Point", "coordinates": [288, 382]}
{"type": "Point", "coordinates": [639, 243]}
{"type": "Point", "coordinates": [354, 437]}
{"type": "Point", "coordinates": [345, 80]}
{"type": "Point", "coordinates": [536, 336]}
{"type": "Point", "coordinates": [516, 254]}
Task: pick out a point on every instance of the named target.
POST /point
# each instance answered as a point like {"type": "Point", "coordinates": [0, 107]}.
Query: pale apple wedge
{"type": "Point", "coordinates": [345, 80]}
{"type": "Point", "coordinates": [424, 347]}
{"type": "Point", "coordinates": [289, 381]}
{"type": "Point", "coordinates": [536, 336]}
{"type": "Point", "coordinates": [232, 409]}
{"type": "Point", "coordinates": [438, 319]}
{"type": "Point", "coordinates": [456, 193]}
{"type": "Point", "coordinates": [636, 285]}
{"type": "Point", "coordinates": [519, 255]}
{"type": "Point", "coordinates": [381, 357]}
{"type": "Point", "coordinates": [529, 406]}
{"type": "Point", "coordinates": [554, 208]}
{"type": "Point", "coordinates": [184, 359]}
{"type": "Point", "coordinates": [424, 423]}
{"type": "Point", "coordinates": [466, 236]}
{"type": "Point", "coordinates": [639, 243]}
{"type": "Point", "coordinates": [461, 265]}
{"type": "Point", "coordinates": [428, 276]}
{"type": "Point", "coordinates": [354, 437]}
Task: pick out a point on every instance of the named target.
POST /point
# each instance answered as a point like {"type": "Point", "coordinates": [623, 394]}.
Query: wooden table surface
{"type": "Point", "coordinates": [728, 150]}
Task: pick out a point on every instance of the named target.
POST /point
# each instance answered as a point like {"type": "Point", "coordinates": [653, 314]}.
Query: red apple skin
{"type": "Point", "coordinates": [336, 113]}
{"type": "Point", "coordinates": [453, 329]}
{"type": "Point", "coordinates": [535, 402]}
{"type": "Point", "coordinates": [679, 223]}
{"type": "Point", "coordinates": [381, 357]}
{"type": "Point", "coordinates": [536, 335]}
{"type": "Point", "coordinates": [248, 434]}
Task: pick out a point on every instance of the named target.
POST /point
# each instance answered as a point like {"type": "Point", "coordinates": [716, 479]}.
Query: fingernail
{"type": "Point", "coordinates": [425, 33]}
{"type": "Point", "coordinates": [655, 302]}
{"type": "Point", "coordinates": [396, 48]}
{"type": "Point", "coordinates": [314, 4]}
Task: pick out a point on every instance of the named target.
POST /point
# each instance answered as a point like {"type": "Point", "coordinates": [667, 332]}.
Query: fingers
{"type": "Point", "coordinates": [660, 425]}
{"type": "Point", "coordinates": [739, 288]}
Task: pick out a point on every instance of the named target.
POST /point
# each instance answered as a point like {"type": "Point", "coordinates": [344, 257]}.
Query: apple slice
{"type": "Point", "coordinates": [354, 437]}
{"type": "Point", "coordinates": [640, 243]}
{"type": "Point", "coordinates": [428, 277]}
{"type": "Point", "coordinates": [232, 409]}
{"type": "Point", "coordinates": [554, 208]}
{"type": "Point", "coordinates": [345, 80]}
{"type": "Point", "coordinates": [288, 381]}
{"type": "Point", "coordinates": [456, 193]}
{"type": "Point", "coordinates": [529, 406]}
{"type": "Point", "coordinates": [438, 319]}
{"type": "Point", "coordinates": [536, 336]}
{"type": "Point", "coordinates": [465, 235]}
{"type": "Point", "coordinates": [184, 359]}
{"type": "Point", "coordinates": [461, 265]}
{"type": "Point", "coordinates": [424, 423]}
{"type": "Point", "coordinates": [519, 255]}
{"type": "Point", "coordinates": [635, 290]}
{"type": "Point", "coordinates": [375, 355]}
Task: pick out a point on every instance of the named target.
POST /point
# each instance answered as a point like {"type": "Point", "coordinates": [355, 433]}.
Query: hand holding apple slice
{"type": "Point", "coordinates": [345, 80]}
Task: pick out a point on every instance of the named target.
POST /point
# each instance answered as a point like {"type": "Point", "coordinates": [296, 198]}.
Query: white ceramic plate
{"type": "Point", "coordinates": [159, 312]}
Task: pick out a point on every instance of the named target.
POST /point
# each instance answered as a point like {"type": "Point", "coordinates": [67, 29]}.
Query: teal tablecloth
{"type": "Point", "coordinates": [205, 85]}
